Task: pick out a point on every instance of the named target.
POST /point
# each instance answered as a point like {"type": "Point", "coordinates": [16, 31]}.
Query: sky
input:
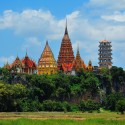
{"type": "Point", "coordinates": [27, 24]}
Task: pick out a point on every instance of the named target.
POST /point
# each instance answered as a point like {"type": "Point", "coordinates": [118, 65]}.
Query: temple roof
{"type": "Point", "coordinates": [104, 41]}
{"type": "Point", "coordinates": [78, 63]}
{"type": "Point", "coordinates": [27, 62]}
{"type": "Point", "coordinates": [7, 66]}
{"type": "Point", "coordinates": [17, 62]}
{"type": "Point", "coordinates": [47, 57]}
{"type": "Point", "coordinates": [67, 67]}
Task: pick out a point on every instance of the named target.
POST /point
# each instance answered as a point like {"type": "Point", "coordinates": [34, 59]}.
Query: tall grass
{"type": "Point", "coordinates": [62, 122]}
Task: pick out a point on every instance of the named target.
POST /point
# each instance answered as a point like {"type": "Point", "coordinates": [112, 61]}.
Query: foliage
{"type": "Point", "coordinates": [111, 101]}
{"type": "Point", "coordinates": [120, 106]}
{"type": "Point", "coordinates": [89, 105]}
{"type": "Point", "coordinates": [60, 92]}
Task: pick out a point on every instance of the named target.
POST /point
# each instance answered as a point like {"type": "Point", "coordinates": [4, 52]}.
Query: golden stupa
{"type": "Point", "coordinates": [90, 67]}
{"type": "Point", "coordinates": [47, 63]}
{"type": "Point", "coordinates": [78, 62]}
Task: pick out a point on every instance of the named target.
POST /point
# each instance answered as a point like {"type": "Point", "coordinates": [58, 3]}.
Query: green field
{"type": "Point", "coordinates": [60, 118]}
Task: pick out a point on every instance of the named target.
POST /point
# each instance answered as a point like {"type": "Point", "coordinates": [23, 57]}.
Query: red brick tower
{"type": "Point", "coordinates": [66, 55]}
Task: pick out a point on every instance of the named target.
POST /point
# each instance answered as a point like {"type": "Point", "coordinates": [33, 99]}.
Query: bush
{"type": "Point", "coordinates": [120, 106]}
{"type": "Point", "coordinates": [89, 105]}
{"type": "Point", "coordinates": [50, 105]}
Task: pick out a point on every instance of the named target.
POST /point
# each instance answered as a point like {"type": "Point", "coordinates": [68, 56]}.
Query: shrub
{"type": "Point", "coordinates": [50, 105]}
{"type": "Point", "coordinates": [120, 106]}
{"type": "Point", "coordinates": [89, 105]}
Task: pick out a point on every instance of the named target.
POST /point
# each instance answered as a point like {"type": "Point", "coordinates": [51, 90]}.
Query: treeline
{"type": "Point", "coordinates": [84, 92]}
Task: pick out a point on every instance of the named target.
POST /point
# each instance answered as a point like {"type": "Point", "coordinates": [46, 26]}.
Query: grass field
{"type": "Point", "coordinates": [60, 118]}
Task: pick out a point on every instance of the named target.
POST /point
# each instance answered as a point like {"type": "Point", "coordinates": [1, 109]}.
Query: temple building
{"type": "Point", "coordinates": [66, 55]}
{"type": "Point", "coordinates": [47, 63]}
{"type": "Point", "coordinates": [16, 66]}
{"type": "Point", "coordinates": [90, 67]}
{"type": "Point", "coordinates": [28, 65]}
{"type": "Point", "coordinates": [78, 63]}
{"type": "Point", "coordinates": [105, 59]}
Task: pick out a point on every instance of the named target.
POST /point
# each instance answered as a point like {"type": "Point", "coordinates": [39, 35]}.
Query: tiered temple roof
{"type": "Point", "coordinates": [47, 63]}
{"type": "Point", "coordinates": [78, 62]}
{"type": "Point", "coordinates": [17, 62]}
{"type": "Point", "coordinates": [28, 63]}
{"type": "Point", "coordinates": [7, 66]}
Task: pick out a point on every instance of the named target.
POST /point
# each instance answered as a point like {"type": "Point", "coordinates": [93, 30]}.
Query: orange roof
{"type": "Point", "coordinates": [28, 62]}
{"type": "Point", "coordinates": [78, 62]}
{"type": "Point", "coordinates": [16, 62]}
{"type": "Point", "coordinates": [104, 41]}
{"type": "Point", "coordinates": [67, 67]}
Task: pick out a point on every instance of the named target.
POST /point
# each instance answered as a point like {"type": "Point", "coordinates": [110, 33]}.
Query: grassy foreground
{"type": "Point", "coordinates": [60, 118]}
{"type": "Point", "coordinates": [61, 122]}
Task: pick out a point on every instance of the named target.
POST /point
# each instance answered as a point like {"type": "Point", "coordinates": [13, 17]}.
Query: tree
{"type": "Point", "coordinates": [118, 78]}
{"type": "Point", "coordinates": [111, 101]}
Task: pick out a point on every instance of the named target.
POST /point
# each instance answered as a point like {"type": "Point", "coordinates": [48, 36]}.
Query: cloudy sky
{"type": "Point", "coordinates": [27, 24]}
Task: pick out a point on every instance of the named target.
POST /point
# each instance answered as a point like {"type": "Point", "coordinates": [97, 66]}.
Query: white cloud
{"type": "Point", "coordinates": [107, 4]}
{"type": "Point", "coordinates": [117, 16]}
{"type": "Point", "coordinates": [7, 59]}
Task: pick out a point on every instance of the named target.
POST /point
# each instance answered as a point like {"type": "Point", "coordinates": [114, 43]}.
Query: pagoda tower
{"type": "Point", "coordinates": [89, 67]}
{"type": "Point", "coordinates": [105, 59]}
{"type": "Point", "coordinates": [78, 62]}
{"type": "Point", "coordinates": [47, 63]}
{"type": "Point", "coordinates": [66, 55]}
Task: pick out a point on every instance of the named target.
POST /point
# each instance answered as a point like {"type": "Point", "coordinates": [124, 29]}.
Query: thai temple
{"type": "Point", "coordinates": [47, 63]}
{"type": "Point", "coordinates": [66, 62]}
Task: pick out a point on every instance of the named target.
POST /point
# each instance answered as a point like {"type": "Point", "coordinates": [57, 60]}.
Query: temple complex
{"type": "Point", "coordinates": [78, 63]}
{"type": "Point", "coordinates": [105, 59]}
{"type": "Point", "coordinates": [66, 55]}
{"type": "Point", "coordinates": [28, 65]}
{"type": "Point", "coordinates": [47, 63]}
{"type": "Point", "coordinates": [90, 67]}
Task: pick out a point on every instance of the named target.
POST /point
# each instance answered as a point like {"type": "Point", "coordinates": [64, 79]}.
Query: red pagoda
{"type": "Point", "coordinates": [66, 55]}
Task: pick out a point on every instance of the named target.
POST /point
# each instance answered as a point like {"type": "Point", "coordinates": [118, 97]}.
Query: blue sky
{"type": "Point", "coordinates": [27, 24]}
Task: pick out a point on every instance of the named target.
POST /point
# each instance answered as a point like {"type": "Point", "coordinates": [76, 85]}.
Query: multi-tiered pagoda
{"type": "Point", "coordinates": [105, 59]}
{"type": "Point", "coordinates": [47, 63]}
{"type": "Point", "coordinates": [66, 55]}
